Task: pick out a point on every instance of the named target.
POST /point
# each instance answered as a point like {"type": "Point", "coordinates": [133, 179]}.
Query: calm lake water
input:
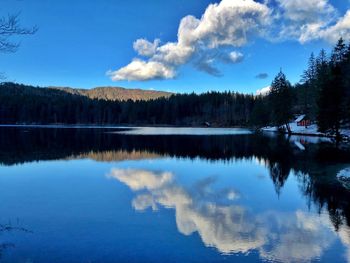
{"type": "Point", "coordinates": [171, 195]}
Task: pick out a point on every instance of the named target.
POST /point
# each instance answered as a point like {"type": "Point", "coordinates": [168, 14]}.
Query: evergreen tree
{"type": "Point", "coordinates": [322, 83]}
{"type": "Point", "coordinates": [346, 74]}
{"type": "Point", "coordinates": [332, 92]}
{"type": "Point", "coordinates": [281, 101]}
{"type": "Point", "coordinates": [309, 88]}
{"type": "Point", "coordinates": [260, 116]}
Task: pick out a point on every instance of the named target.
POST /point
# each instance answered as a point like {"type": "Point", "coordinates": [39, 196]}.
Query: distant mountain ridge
{"type": "Point", "coordinates": [116, 93]}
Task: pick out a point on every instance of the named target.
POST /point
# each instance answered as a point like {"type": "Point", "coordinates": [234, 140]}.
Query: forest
{"type": "Point", "coordinates": [323, 94]}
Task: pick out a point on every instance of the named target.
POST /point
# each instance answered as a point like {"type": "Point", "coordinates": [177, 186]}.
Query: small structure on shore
{"type": "Point", "coordinates": [302, 120]}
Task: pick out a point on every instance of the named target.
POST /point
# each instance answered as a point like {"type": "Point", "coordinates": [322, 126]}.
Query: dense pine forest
{"type": "Point", "coordinates": [323, 94]}
{"type": "Point", "coordinates": [25, 104]}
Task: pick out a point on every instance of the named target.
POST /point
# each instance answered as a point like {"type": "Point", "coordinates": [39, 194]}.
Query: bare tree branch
{"type": "Point", "coordinates": [10, 26]}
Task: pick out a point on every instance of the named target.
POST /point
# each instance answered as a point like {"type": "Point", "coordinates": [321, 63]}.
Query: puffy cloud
{"type": "Point", "coordinates": [329, 33]}
{"type": "Point", "coordinates": [344, 235]}
{"type": "Point", "coordinates": [141, 179]}
{"type": "Point", "coordinates": [298, 17]}
{"type": "Point", "coordinates": [173, 54]}
{"type": "Point", "coordinates": [145, 48]}
{"type": "Point", "coordinates": [313, 20]}
{"type": "Point", "coordinates": [263, 91]}
{"type": "Point", "coordinates": [231, 228]}
{"type": "Point", "coordinates": [228, 228]}
{"type": "Point", "coordinates": [301, 237]}
{"type": "Point", "coordinates": [236, 57]}
{"type": "Point", "coordinates": [142, 70]}
{"type": "Point", "coordinates": [311, 11]}
{"type": "Point", "coordinates": [332, 33]}
{"type": "Point", "coordinates": [231, 24]}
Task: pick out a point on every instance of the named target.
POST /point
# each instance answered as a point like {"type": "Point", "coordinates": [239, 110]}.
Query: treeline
{"type": "Point", "coordinates": [33, 105]}
{"type": "Point", "coordinates": [323, 94]}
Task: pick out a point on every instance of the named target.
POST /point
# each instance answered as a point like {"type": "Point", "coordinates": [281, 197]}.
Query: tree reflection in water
{"type": "Point", "coordinates": [315, 166]}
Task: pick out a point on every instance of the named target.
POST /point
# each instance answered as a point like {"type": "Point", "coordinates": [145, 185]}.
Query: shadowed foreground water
{"type": "Point", "coordinates": [100, 195]}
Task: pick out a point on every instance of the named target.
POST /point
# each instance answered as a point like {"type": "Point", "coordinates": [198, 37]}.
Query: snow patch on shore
{"type": "Point", "coordinates": [343, 176]}
{"type": "Point", "coordinates": [311, 130]}
{"type": "Point", "coordinates": [345, 173]}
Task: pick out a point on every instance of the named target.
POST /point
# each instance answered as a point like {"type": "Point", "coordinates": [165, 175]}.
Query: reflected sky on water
{"type": "Point", "coordinates": [96, 196]}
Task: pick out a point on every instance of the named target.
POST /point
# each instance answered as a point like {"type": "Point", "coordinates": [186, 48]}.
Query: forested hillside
{"type": "Point", "coordinates": [116, 93]}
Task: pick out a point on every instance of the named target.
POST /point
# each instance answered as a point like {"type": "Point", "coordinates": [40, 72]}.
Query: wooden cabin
{"type": "Point", "coordinates": [302, 120]}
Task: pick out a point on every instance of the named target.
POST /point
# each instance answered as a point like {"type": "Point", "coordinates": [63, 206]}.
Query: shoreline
{"type": "Point", "coordinates": [311, 131]}
{"type": "Point", "coordinates": [121, 126]}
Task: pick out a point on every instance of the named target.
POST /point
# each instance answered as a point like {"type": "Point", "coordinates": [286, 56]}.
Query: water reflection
{"type": "Point", "coordinates": [9, 229]}
{"type": "Point", "coordinates": [223, 216]}
{"type": "Point", "coordinates": [222, 222]}
{"type": "Point", "coordinates": [183, 131]}
{"type": "Point", "coordinates": [317, 165]}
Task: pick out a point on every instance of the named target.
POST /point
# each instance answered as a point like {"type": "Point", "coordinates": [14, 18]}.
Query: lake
{"type": "Point", "coordinates": [171, 195]}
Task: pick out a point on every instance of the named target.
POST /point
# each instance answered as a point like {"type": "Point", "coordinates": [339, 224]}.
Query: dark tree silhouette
{"type": "Point", "coordinates": [281, 101]}
{"type": "Point", "coordinates": [333, 91]}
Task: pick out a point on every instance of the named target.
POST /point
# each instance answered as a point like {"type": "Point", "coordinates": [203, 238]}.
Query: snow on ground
{"type": "Point", "coordinates": [345, 132]}
{"type": "Point", "coordinates": [300, 140]}
{"type": "Point", "coordinates": [344, 177]}
{"type": "Point", "coordinates": [310, 130]}
{"type": "Point", "coordinates": [344, 173]}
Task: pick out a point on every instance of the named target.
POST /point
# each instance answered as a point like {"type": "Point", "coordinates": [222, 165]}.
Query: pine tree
{"type": "Point", "coordinates": [309, 78]}
{"type": "Point", "coordinates": [260, 112]}
{"type": "Point", "coordinates": [346, 74]}
{"type": "Point", "coordinates": [332, 91]}
{"type": "Point", "coordinates": [281, 101]}
{"type": "Point", "coordinates": [322, 82]}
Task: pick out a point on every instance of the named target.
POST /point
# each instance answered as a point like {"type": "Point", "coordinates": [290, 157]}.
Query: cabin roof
{"type": "Point", "coordinates": [300, 118]}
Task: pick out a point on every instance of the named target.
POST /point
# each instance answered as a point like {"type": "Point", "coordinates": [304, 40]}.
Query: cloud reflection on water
{"type": "Point", "coordinates": [224, 223]}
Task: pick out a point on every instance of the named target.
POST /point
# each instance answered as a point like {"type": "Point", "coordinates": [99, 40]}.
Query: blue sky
{"type": "Point", "coordinates": [79, 41]}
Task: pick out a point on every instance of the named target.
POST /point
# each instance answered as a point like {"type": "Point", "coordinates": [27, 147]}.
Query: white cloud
{"type": "Point", "coordinates": [231, 24]}
{"type": "Point", "coordinates": [263, 91]}
{"type": "Point", "coordinates": [232, 228]}
{"type": "Point", "coordinates": [145, 48]}
{"type": "Point", "coordinates": [173, 53]}
{"type": "Point", "coordinates": [344, 235]}
{"type": "Point", "coordinates": [310, 11]}
{"type": "Point", "coordinates": [313, 20]}
{"type": "Point", "coordinates": [236, 57]}
{"type": "Point", "coordinates": [141, 179]}
{"type": "Point", "coordinates": [142, 70]}
{"type": "Point", "coordinates": [340, 29]}
{"type": "Point", "coordinates": [330, 33]}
